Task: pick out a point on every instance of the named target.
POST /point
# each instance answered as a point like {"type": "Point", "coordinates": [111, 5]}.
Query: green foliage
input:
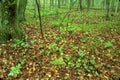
{"type": "Point", "coordinates": [65, 78]}
{"type": "Point", "coordinates": [33, 41]}
{"type": "Point", "coordinates": [108, 44]}
{"type": "Point", "coordinates": [116, 76]}
{"type": "Point", "coordinates": [53, 46]}
{"type": "Point", "coordinates": [79, 71]}
{"type": "Point", "coordinates": [15, 70]}
{"type": "Point", "coordinates": [59, 61]}
{"type": "Point", "coordinates": [23, 52]}
{"type": "Point", "coordinates": [83, 40]}
{"type": "Point", "coordinates": [73, 46]}
{"type": "Point", "coordinates": [81, 53]}
{"type": "Point", "coordinates": [92, 60]}
{"type": "Point", "coordinates": [87, 64]}
{"type": "Point", "coordinates": [47, 78]}
{"type": "Point", "coordinates": [55, 23]}
{"type": "Point", "coordinates": [60, 49]}
{"type": "Point", "coordinates": [19, 43]}
{"type": "Point", "coordinates": [100, 40]}
{"type": "Point", "coordinates": [94, 42]}
{"type": "Point", "coordinates": [78, 63]}
{"type": "Point", "coordinates": [69, 61]}
{"type": "Point", "coordinates": [34, 57]}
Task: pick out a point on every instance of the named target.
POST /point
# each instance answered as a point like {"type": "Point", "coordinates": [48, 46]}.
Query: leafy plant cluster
{"type": "Point", "coordinates": [54, 48]}
{"type": "Point", "coordinates": [22, 43]}
{"type": "Point", "coordinates": [109, 44]}
{"type": "Point", "coordinates": [82, 64]}
{"type": "Point", "coordinates": [97, 41]}
{"type": "Point", "coordinates": [19, 43]}
{"type": "Point", "coordinates": [16, 69]}
{"type": "Point", "coordinates": [87, 64]}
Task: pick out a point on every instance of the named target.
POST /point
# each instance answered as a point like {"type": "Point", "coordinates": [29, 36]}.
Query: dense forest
{"type": "Point", "coordinates": [59, 39]}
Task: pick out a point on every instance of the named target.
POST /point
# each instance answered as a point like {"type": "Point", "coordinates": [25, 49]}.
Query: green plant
{"type": "Point", "coordinates": [59, 38]}
{"type": "Point", "coordinates": [53, 46]}
{"type": "Point", "coordinates": [23, 52]}
{"type": "Point", "coordinates": [78, 63]}
{"type": "Point", "coordinates": [63, 41]}
{"type": "Point", "coordinates": [73, 46]}
{"type": "Point", "coordinates": [33, 41]}
{"type": "Point", "coordinates": [60, 49]}
{"type": "Point", "coordinates": [116, 76]}
{"type": "Point", "coordinates": [48, 52]}
{"type": "Point", "coordinates": [79, 71]}
{"type": "Point", "coordinates": [65, 78]}
{"type": "Point", "coordinates": [92, 60]}
{"type": "Point", "coordinates": [59, 61]}
{"type": "Point", "coordinates": [81, 53]}
{"type": "Point", "coordinates": [100, 40]}
{"type": "Point", "coordinates": [69, 64]}
{"type": "Point", "coordinates": [69, 61]}
{"type": "Point", "coordinates": [83, 40]}
{"type": "Point", "coordinates": [19, 43]}
{"type": "Point", "coordinates": [34, 57]}
{"type": "Point", "coordinates": [108, 44]}
{"type": "Point", "coordinates": [47, 78]}
{"type": "Point", "coordinates": [15, 70]}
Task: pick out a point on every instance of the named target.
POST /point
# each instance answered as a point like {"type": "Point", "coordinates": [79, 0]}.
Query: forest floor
{"type": "Point", "coordinates": [84, 48]}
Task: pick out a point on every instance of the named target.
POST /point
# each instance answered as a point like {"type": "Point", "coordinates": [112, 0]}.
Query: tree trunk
{"type": "Point", "coordinates": [80, 5]}
{"type": "Point", "coordinates": [117, 8]}
{"type": "Point", "coordinates": [59, 3]}
{"type": "Point", "coordinates": [21, 10]}
{"type": "Point", "coordinates": [92, 3]}
{"type": "Point", "coordinates": [9, 28]}
{"type": "Point", "coordinates": [88, 5]}
{"type": "Point", "coordinates": [107, 9]}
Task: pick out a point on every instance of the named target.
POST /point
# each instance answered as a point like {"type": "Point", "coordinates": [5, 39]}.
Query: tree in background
{"type": "Point", "coordinates": [80, 5]}
{"type": "Point", "coordinates": [59, 4]}
{"type": "Point", "coordinates": [21, 10]}
{"type": "Point", "coordinates": [9, 28]}
{"type": "Point", "coordinates": [92, 3]}
{"type": "Point", "coordinates": [117, 4]}
{"type": "Point", "coordinates": [88, 5]}
{"type": "Point", "coordinates": [35, 8]}
{"type": "Point", "coordinates": [107, 9]}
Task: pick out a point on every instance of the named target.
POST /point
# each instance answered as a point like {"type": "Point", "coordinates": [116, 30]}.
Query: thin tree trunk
{"type": "Point", "coordinates": [39, 13]}
{"type": "Point", "coordinates": [107, 9]}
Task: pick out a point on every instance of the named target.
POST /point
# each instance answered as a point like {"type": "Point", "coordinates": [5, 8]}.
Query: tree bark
{"type": "Point", "coordinates": [9, 28]}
